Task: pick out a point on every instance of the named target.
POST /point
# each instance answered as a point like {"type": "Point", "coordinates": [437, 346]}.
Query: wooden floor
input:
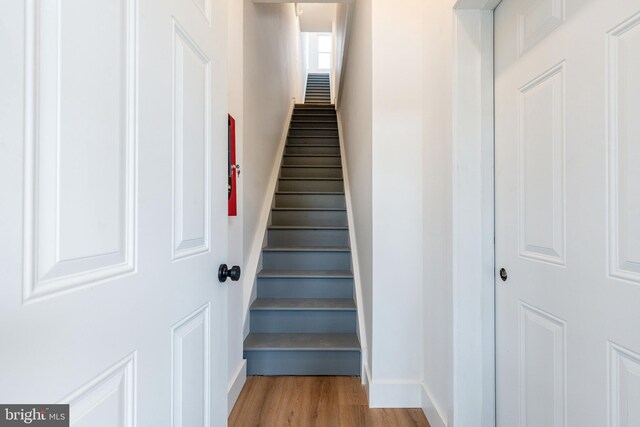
{"type": "Point", "coordinates": [314, 401]}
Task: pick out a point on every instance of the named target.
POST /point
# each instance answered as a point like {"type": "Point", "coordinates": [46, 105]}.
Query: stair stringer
{"type": "Point", "coordinates": [253, 264]}
{"type": "Point", "coordinates": [357, 281]}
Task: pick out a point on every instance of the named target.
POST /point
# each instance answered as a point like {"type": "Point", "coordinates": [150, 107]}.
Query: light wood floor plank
{"type": "Point", "coordinates": [314, 402]}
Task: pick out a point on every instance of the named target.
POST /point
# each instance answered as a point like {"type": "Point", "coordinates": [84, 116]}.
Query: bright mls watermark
{"type": "Point", "coordinates": [34, 415]}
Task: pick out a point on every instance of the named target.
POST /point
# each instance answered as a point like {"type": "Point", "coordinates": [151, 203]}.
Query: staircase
{"type": "Point", "coordinates": [303, 321]}
{"type": "Point", "coordinates": [318, 89]}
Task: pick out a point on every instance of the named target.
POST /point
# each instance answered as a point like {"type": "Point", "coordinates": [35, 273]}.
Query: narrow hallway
{"type": "Point", "coordinates": [314, 401]}
{"type": "Point", "coordinates": [303, 321]}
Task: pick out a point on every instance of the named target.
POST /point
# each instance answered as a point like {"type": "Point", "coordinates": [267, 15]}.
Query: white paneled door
{"type": "Point", "coordinates": [113, 139]}
{"type": "Point", "coordinates": [568, 212]}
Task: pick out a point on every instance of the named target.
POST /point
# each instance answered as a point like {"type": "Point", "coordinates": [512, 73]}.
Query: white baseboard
{"type": "Point", "coordinates": [431, 411]}
{"type": "Point", "coordinates": [357, 281]}
{"type": "Point", "coordinates": [364, 365]}
{"type": "Point", "coordinates": [235, 385]}
{"type": "Point", "coordinates": [394, 394]}
{"type": "Point", "coordinates": [366, 376]}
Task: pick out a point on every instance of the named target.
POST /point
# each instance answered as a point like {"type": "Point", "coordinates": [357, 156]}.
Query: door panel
{"type": "Point", "coordinates": [113, 152]}
{"type": "Point", "coordinates": [67, 199]}
{"type": "Point", "coordinates": [192, 145]}
{"type": "Point", "coordinates": [542, 367]}
{"type": "Point", "coordinates": [191, 360]}
{"type": "Point", "coordinates": [623, 43]}
{"type": "Point", "coordinates": [567, 212]}
{"type": "Point", "coordinates": [542, 167]}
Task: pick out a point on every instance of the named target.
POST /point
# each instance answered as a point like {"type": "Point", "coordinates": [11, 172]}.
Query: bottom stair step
{"type": "Point", "coordinates": [302, 354]}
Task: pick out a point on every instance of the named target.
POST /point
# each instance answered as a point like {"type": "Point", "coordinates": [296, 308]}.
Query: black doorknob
{"type": "Point", "coordinates": [232, 273]}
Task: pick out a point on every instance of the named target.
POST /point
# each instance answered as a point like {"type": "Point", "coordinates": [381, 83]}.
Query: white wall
{"type": "Point", "coordinates": [304, 61]}
{"type": "Point", "coordinates": [316, 17]}
{"type": "Point", "coordinates": [271, 79]}
{"type": "Point", "coordinates": [264, 74]}
{"type": "Point", "coordinates": [381, 111]}
{"type": "Point", "coordinates": [397, 202]}
{"type": "Point", "coordinates": [402, 171]}
{"type": "Point", "coordinates": [355, 113]}
{"type": "Point", "coordinates": [341, 27]}
{"type": "Point", "coordinates": [437, 164]}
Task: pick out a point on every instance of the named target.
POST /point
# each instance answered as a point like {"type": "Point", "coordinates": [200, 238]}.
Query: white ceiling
{"type": "Point", "coordinates": [316, 17]}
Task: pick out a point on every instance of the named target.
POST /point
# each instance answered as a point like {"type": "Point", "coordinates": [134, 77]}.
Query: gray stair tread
{"type": "Point", "coordinates": [301, 274]}
{"type": "Point", "coordinates": [320, 193]}
{"type": "Point", "coordinates": [307, 114]}
{"type": "Point", "coordinates": [302, 144]}
{"type": "Point", "coordinates": [308, 227]}
{"type": "Point", "coordinates": [318, 304]}
{"type": "Point", "coordinates": [311, 129]}
{"type": "Point", "coordinates": [313, 136]}
{"type": "Point", "coordinates": [313, 146]}
{"type": "Point", "coordinates": [301, 342]}
{"type": "Point", "coordinates": [306, 249]}
{"type": "Point", "coordinates": [306, 178]}
{"type": "Point", "coordinates": [312, 155]}
{"type": "Point", "coordinates": [313, 166]}
{"type": "Point", "coordinates": [310, 209]}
